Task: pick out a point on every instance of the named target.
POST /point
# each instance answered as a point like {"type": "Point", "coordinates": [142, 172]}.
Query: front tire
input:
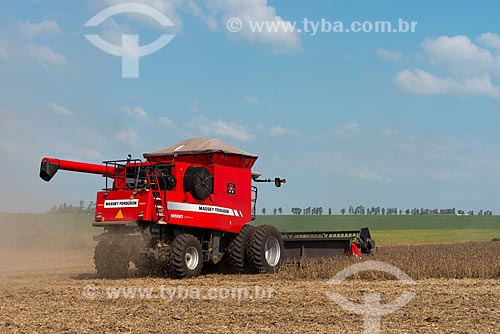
{"type": "Point", "coordinates": [187, 256]}
{"type": "Point", "coordinates": [265, 249]}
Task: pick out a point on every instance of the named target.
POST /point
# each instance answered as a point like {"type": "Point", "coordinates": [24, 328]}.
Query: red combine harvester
{"type": "Point", "coordinates": [189, 205]}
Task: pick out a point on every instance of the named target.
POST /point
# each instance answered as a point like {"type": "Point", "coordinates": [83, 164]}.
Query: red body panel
{"type": "Point", "coordinates": [227, 208]}
{"type": "Point", "coordinates": [221, 210]}
{"type": "Point", "coordinates": [134, 193]}
{"type": "Point", "coordinates": [123, 205]}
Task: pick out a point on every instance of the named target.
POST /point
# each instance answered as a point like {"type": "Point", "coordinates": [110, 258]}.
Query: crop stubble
{"type": "Point", "coordinates": [41, 292]}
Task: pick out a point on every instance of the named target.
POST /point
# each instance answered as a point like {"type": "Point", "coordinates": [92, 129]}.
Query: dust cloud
{"type": "Point", "coordinates": [31, 243]}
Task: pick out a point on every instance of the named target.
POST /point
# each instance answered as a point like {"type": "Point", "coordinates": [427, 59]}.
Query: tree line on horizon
{"type": "Point", "coordinates": [70, 208]}
{"type": "Point", "coordinates": [307, 211]}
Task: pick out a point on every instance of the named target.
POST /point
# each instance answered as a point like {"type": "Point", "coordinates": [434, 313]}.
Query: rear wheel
{"type": "Point", "coordinates": [265, 249]}
{"type": "Point", "coordinates": [238, 249]}
{"type": "Point", "coordinates": [187, 256]}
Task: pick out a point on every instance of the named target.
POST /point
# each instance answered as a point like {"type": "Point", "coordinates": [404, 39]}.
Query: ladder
{"type": "Point", "coordinates": [154, 186]}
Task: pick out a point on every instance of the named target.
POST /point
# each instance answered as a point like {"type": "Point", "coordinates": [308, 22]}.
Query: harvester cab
{"type": "Point", "coordinates": [189, 205]}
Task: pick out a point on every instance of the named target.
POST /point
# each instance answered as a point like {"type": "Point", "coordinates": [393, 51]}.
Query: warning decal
{"type": "Point", "coordinates": [119, 215]}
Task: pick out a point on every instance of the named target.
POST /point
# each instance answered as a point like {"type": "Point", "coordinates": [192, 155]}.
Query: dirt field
{"type": "Point", "coordinates": [47, 291]}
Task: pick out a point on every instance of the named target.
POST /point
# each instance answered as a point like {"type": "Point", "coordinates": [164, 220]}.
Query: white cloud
{"type": "Point", "coordinates": [4, 53]}
{"type": "Point", "coordinates": [211, 23]}
{"type": "Point", "coordinates": [217, 12]}
{"type": "Point", "coordinates": [257, 10]}
{"type": "Point", "coordinates": [136, 112]}
{"type": "Point", "coordinates": [90, 154]}
{"type": "Point", "coordinates": [230, 129]}
{"type": "Point", "coordinates": [60, 109]}
{"type": "Point", "coordinates": [112, 31]}
{"type": "Point", "coordinates": [165, 121]}
{"type": "Point", "coordinates": [279, 131]}
{"type": "Point", "coordinates": [31, 30]}
{"type": "Point", "coordinates": [46, 56]}
{"type": "Point", "coordinates": [394, 56]}
{"type": "Point", "coordinates": [490, 40]}
{"type": "Point", "coordinates": [345, 131]}
{"type": "Point", "coordinates": [458, 54]}
{"type": "Point", "coordinates": [168, 7]}
{"type": "Point", "coordinates": [479, 86]}
{"type": "Point", "coordinates": [466, 69]}
{"type": "Point", "coordinates": [416, 81]}
{"type": "Point", "coordinates": [367, 174]}
{"type": "Point", "coordinates": [253, 100]}
{"type": "Point", "coordinates": [421, 82]}
{"type": "Point", "coordinates": [210, 20]}
{"type": "Point", "coordinates": [128, 136]}
{"type": "Point", "coordinates": [195, 105]}
{"type": "Point", "coordinates": [219, 127]}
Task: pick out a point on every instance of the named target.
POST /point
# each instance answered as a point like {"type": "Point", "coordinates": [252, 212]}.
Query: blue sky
{"type": "Point", "coordinates": [379, 119]}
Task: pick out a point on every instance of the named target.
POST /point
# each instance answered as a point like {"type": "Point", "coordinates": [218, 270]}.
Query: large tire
{"type": "Point", "coordinates": [238, 250]}
{"type": "Point", "coordinates": [187, 256]}
{"type": "Point", "coordinates": [265, 249]}
{"type": "Point", "coordinates": [111, 259]}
